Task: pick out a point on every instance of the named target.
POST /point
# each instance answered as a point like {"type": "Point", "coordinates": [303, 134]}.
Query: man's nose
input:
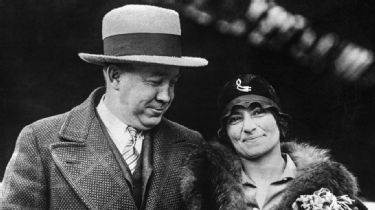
{"type": "Point", "coordinates": [165, 94]}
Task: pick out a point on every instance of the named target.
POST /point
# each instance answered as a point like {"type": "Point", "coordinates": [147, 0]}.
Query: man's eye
{"type": "Point", "coordinates": [173, 82]}
{"type": "Point", "coordinates": [155, 82]}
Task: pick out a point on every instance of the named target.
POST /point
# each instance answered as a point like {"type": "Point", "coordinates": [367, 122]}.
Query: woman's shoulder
{"type": "Point", "coordinates": [316, 169]}
{"type": "Point", "coordinates": [210, 178]}
{"type": "Point", "coordinates": [305, 154]}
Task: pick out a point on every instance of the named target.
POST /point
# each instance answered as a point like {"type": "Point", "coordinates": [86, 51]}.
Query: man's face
{"type": "Point", "coordinates": [146, 92]}
{"type": "Point", "coordinates": [253, 132]}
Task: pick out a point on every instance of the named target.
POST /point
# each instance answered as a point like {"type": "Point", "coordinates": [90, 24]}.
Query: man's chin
{"type": "Point", "coordinates": [150, 122]}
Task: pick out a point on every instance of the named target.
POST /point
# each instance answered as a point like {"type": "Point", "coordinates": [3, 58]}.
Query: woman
{"type": "Point", "coordinates": [251, 166]}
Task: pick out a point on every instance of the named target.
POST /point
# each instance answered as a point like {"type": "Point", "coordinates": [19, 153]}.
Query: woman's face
{"type": "Point", "coordinates": [253, 132]}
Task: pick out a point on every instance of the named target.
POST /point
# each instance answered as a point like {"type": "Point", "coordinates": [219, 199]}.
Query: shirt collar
{"type": "Point", "coordinates": [245, 179]}
{"type": "Point", "coordinates": [290, 169]}
{"type": "Point", "coordinates": [114, 125]}
{"type": "Point", "coordinates": [289, 172]}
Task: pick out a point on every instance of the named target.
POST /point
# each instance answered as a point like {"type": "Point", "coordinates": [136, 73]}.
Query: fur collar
{"type": "Point", "coordinates": [211, 177]}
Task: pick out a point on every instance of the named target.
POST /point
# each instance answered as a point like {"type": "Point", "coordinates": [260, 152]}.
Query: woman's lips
{"type": "Point", "coordinates": [252, 138]}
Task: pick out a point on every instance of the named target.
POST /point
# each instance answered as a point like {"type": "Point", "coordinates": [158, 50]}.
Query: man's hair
{"type": "Point", "coordinates": [124, 66]}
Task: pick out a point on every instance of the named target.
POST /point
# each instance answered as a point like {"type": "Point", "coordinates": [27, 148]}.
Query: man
{"type": "Point", "coordinates": [115, 150]}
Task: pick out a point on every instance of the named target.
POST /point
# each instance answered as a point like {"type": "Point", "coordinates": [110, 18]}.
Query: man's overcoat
{"type": "Point", "coordinates": [65, 162]}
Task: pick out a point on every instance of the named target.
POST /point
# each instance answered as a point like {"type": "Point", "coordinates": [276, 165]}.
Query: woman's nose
{"type": "Point", "coordinates": [249, 124]}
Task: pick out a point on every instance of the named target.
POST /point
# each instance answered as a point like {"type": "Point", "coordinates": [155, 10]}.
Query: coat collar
{"type": "Point", "coordinates": [315, 169]}
{"type": "Point", "coordinates": [305, 155]}
{"type": "Point", "coordinates": [79, 119]}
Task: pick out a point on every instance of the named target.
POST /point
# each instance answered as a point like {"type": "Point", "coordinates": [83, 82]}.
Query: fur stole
{"type": "Point", "coordinates": [211, 178]}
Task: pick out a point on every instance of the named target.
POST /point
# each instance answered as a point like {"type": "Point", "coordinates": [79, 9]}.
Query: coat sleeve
{"type": "Point", "coordinates": [24, 183]}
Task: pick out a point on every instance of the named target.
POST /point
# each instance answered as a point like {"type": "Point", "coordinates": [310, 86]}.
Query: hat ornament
{"type": "Point", "coordinates": [242, 88]}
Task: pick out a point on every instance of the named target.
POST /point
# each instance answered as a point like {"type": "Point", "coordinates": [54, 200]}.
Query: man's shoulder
{"type": "Point", "coordinates": [177, 126]}
{"type": "Point", "coordinates": [181, 130]}
{"type": "Point", "coordinates": [49, 124]}
{"type": "Point", "coordinates": [80, 112]}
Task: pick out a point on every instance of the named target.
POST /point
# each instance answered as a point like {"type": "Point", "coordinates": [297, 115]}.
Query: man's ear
{"type": "Point", "coordinates": [113, 74]}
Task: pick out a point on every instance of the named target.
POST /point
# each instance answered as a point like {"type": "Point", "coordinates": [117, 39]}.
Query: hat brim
{"type": "Point", "coordinates": [148, 59]}
{"type": "Point", "coordinates": [246, 100]}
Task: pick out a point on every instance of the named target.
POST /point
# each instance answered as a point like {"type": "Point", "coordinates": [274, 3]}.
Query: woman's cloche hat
{"type": "Point", "coordinates": [246, 89]}
{"type": "Point", "coordinates": [142, 34]}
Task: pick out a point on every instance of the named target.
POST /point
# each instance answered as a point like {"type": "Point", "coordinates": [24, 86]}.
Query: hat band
{"type": "Point", "coordinates": [143, 44]}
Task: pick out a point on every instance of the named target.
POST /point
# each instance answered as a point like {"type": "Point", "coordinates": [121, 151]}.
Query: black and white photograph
{"type": "Point", "coordinates": [187, 104]}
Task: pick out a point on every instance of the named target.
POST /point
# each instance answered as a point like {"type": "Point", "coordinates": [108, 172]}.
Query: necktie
{"type": "Point", "coordinates": [130, 154]}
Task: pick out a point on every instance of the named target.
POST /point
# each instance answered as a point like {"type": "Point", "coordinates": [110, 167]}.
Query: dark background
{"type": "Point", "coordinates": [41, 74]}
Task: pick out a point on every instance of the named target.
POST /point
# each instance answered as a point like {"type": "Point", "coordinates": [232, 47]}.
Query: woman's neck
{"type": "Point", "coordinates": [266, 168]}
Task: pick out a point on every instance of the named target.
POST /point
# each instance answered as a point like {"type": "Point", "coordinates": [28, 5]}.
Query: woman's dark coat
{"type": "Point", "coordinates": [212, 177]}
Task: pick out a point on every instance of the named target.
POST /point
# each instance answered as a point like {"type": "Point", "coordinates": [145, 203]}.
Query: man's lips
{"type": "Point", "coordinates": [157, 110]}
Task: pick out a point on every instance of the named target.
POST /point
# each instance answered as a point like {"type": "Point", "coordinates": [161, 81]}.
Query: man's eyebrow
{"type": "Point", "coordinates": [163, 73]}
{"type": "Point", "coordinates": [178, 76]}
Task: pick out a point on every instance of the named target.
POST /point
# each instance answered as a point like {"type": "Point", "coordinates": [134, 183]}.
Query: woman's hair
{"type": "Point", "coordinates": [283, 124]}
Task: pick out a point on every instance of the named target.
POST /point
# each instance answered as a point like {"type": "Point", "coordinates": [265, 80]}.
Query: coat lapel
{"type": "Point", "coordinates": [163, 140]}
{"type": "Point", "coordinates": [85, 159]}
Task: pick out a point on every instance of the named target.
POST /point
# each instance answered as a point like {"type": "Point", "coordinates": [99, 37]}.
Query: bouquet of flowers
{"type": "Point", "coordinates": [323, 199]}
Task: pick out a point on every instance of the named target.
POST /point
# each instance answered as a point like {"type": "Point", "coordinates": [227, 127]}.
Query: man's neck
{"type": "Point", "coordinates": [112, 105]}
{"type": "Point", "coordinates": [266, 168]}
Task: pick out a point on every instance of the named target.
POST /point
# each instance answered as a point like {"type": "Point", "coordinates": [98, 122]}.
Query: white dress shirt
{"type": "Point", "coordinates": [117, 129]}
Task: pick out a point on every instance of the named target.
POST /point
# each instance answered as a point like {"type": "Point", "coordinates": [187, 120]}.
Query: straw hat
{"type": "Point", "coordinates": [142, 34]}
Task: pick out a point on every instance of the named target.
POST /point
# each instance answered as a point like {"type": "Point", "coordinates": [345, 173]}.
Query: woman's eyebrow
{"type": "Point", "coordinates": [236, 111]}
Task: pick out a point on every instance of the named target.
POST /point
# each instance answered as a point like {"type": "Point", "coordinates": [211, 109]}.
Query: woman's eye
{"type": "Point", "coordinates": [258, 112]}
{"type": "Point", "coordinates": [234, 119]}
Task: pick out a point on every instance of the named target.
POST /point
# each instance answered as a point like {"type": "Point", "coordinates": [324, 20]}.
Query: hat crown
{"type": "Point", "coordinates": [142, 34]}
{"type": "Point", "coordinates": [131, 19]}
{"type": "Point", "coordinates": [247, 84]}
